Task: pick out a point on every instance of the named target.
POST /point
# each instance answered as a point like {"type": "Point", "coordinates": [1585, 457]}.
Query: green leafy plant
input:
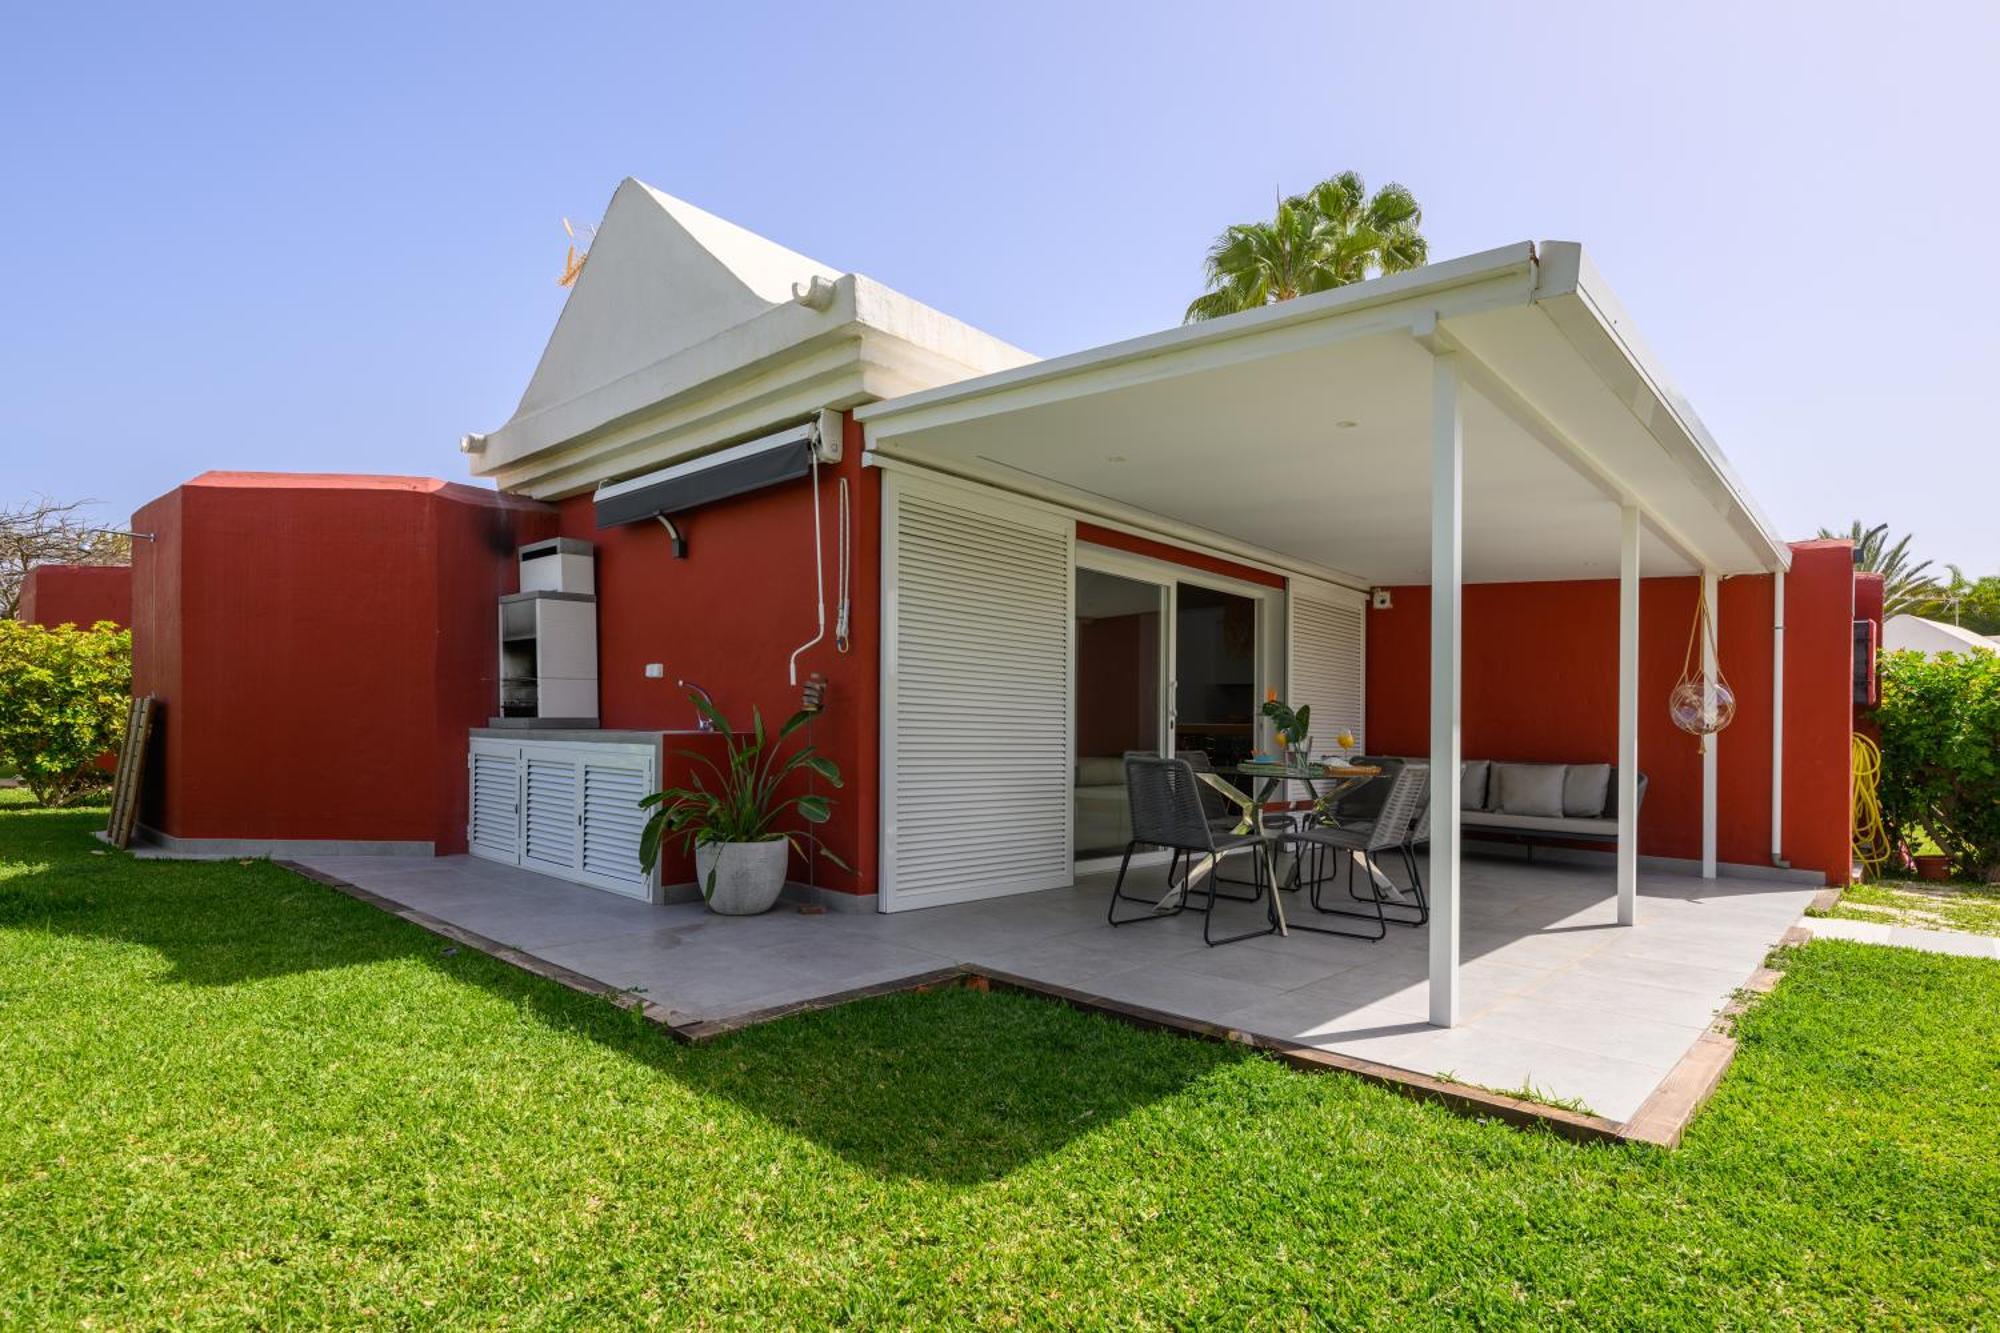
{"type": "Point", "coordinates": [64, 695]}
{"type": "Point", "coordinates": [1973, 604]}
{"type": "Point", "coordinates": [744, 803]}
{"type": "Point", "coordinates": [1293, 725]}
{"type": "Point", "coordinates": [1940, 723]}
{"type": "Point", "coordinates": [1907, 586]}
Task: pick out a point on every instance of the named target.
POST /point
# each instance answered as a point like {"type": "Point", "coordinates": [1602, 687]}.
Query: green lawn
{"type": "Point", "coordinates": [1968, 907]}
{"type": "Point", "coordinates": [233, 1097]}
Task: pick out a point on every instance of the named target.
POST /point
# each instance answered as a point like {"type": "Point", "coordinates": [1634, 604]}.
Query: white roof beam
{"type": "Point", "coordinates": [1489, 384]}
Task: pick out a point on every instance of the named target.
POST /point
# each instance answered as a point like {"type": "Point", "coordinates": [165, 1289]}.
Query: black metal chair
{"type": "Point", "coordinates": [1392, 828]}
{"type": "Point", "coordinates": [1360, 804]}
{"type": "Point", "coordinates": [1167, 812]}
{"type": "Point", "coordinates": [1224, 818]}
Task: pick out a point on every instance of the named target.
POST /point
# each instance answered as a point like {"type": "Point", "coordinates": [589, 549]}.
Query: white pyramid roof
{"type": "Point", "coordinates": [662, 276]}
{"type": "Point", "coordinates": [685, 331]}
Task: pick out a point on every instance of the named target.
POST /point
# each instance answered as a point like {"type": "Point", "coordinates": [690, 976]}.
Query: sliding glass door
{"type": "Point", "coordinates": [1215, 673]}
{"type": "Point", "coordinates": [1122, 632]}
{"type": "Point", "coordinates": [1165, 663]}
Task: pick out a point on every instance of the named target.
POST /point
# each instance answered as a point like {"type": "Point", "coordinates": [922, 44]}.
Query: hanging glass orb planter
{"type": "Point", "coordinates": [1702, 702]}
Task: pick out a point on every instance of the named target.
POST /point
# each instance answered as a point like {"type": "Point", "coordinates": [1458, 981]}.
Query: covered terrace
{"type": "Point", "coordinates": [1489, 420]}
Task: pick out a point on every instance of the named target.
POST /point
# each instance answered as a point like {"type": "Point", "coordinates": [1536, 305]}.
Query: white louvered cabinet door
{"type": "Point", "coordinates": [563, 809]}
{"type": "Point", "coordinates": [493, 812]}
{"type": "Point", "coordinates": [978, 755]}
{"type": "Point", "coordinates": [548, 807]}
{"type": "Point", "coordinates": [610, 823]}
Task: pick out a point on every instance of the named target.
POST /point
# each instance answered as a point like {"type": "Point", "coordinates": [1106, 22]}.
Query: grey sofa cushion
{"type": "Point", "coordinates": [1528, 789]}
{"type": "Point", "coordinates": [1585, 789]}
{"type": "Point", "coordinates": [1582, 828]}
{"type": "Point", "coordinates": [1472, 783]}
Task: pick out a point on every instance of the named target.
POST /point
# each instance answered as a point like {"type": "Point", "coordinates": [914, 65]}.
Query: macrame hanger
{"type": "Point", "coordinates": [1702, 703]}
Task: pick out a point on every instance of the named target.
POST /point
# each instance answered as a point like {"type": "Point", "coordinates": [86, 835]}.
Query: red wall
{"type": "Point", "coordinates": [77, 594]}
{"type": "Point", "coordinates": [320, 646]}
{"type": "Point", "coordinates": [728, 616]}
{"type": "Point", "coordinates": [1175, 555]}
{"type": "Point", "coordinates": [1540, 680]}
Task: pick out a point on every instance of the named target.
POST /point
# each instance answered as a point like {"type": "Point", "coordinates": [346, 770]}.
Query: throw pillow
{"type": "Point", "coordinates": [1472, 778]}
{"type": "Point", "coordinates": [1529, 789]}
{"type": "Point", "coordinates": [1585, 788]}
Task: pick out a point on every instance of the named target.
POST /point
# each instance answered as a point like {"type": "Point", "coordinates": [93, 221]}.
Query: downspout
{"type": "Point", "coordinates": [1778, 720]}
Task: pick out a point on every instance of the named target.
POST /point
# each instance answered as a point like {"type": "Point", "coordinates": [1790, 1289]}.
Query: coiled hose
{"type": "Point", "coordinates": [1871, 835]}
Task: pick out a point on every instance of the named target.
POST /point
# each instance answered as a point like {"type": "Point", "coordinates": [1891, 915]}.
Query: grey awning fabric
{"type": "Point", "coordinates": [717, 476]}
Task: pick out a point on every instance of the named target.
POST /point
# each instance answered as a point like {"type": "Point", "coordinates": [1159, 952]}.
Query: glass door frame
{"type": "Point", "coordinates": [1167, 576]}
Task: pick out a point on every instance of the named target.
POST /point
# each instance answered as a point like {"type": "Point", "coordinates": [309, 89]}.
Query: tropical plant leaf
{"type": "Point", "coordinates": [743, 803]}
{"type": "Point", "coordinates": [1328, 236]}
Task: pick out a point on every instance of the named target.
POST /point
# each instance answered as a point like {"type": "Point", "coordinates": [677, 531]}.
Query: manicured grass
{"type": "Point", "coordinates": [1968, 907]}
{"type": "Point", "coordinates": [233, 1097]}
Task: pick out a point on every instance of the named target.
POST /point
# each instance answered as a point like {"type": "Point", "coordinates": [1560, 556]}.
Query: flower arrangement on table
{"type": "Point", "coordinates": [1294, 732]}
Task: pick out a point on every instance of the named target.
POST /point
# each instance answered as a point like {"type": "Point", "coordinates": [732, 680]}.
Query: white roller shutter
{"type": "Point", "coordinates": [978, 760]}
{"type": "Point", "coordinates": [1326, 660]}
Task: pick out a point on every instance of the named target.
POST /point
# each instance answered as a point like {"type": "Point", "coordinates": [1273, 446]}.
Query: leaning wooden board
{"type": "Point", "coordinates": [125, 786]}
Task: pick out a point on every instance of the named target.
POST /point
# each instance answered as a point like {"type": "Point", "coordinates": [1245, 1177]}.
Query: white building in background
{"type": "Point", "coordinates": [1914, 633]}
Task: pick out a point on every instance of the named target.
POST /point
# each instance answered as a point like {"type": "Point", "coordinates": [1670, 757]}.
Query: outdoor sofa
{"type": "Point", "coordinates": [1519, 802]}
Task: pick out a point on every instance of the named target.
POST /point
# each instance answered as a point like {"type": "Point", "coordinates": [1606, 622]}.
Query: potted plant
{"type": "Point", "coordinates": [740, 853]}
{"type": "Point", "coordinates": [1930, 861]}
{"type": "Point", "coordinates": [1294, 732]}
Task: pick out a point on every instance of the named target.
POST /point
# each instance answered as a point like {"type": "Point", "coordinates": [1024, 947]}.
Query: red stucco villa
{"type": "Point", "coordinates": [1460, 511]}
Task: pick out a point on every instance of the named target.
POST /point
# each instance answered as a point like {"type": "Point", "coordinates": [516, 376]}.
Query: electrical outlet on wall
{"type": "Point", "coordinates": [656, 671]}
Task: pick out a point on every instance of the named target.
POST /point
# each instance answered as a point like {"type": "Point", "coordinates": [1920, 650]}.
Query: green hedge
{"type": "Point", "coordinates": [64, 695]}
{"type": "Point", "coordinates": [1940, 721]}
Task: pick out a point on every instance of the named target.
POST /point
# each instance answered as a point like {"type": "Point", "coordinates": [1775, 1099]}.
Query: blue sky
{"type": "Point", "coordinates": [300, 238]}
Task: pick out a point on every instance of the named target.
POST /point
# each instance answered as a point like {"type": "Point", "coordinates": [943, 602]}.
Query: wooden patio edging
{"type": "Point", "coordinates": [1660, 1121]}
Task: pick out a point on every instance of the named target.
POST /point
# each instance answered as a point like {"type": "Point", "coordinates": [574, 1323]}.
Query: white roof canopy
{"type": "Point", "coordinates": [1303, 430]}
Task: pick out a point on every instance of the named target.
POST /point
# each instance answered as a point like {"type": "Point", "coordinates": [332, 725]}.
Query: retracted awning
{"type": "Point", "coordinates": [753, 465]}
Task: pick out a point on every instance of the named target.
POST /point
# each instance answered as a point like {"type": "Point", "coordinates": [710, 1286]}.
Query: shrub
{"type": "Point", "coordinates": [64, 694]}
{"type": "Point", "coordinates": [1940, 721]}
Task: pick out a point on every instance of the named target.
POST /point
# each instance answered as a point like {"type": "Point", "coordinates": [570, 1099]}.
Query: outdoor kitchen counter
{"type": "Point", "coordinates": [584, 735]}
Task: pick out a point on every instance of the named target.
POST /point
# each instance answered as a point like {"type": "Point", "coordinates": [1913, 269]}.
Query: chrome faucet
{"type": "Point", "coordinates": [703, 722]}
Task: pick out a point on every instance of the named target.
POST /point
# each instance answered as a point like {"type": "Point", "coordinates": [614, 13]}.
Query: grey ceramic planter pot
{"type": "Point", "coordinates": [749, 876]}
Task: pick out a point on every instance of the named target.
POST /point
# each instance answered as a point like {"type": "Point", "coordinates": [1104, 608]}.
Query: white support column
{"type": "Point", "coordinates": [1710, 641]}
{"type": "Point", "coordinates": [1447, 577]}
{"type": "Point", "coordinates": [1628, 715]}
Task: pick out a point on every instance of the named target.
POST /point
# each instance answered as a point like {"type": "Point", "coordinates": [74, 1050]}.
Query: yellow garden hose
{"type": "Point", "coordinates": [1871, 837]}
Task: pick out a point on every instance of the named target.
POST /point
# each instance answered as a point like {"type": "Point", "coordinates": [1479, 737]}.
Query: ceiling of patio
{"type": "Point", "coordinates": [1322, 453]}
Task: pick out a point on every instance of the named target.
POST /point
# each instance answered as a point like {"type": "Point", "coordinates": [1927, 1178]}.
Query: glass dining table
{"type": "Point", "coordinates": [1324, 784]}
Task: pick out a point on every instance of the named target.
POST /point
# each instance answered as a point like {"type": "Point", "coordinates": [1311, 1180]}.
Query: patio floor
{"type": "Point", "coordinates": [1555, 997]}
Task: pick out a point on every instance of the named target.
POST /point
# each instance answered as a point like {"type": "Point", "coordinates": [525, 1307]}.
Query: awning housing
{"type": "Point", "coordinates": [753, 465]}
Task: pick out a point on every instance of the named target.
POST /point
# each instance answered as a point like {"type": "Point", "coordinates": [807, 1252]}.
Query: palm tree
{"type": "Point", "coordinates": [1330, 236]}
{"type": "Point", "coordinates": [1905, 587]}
